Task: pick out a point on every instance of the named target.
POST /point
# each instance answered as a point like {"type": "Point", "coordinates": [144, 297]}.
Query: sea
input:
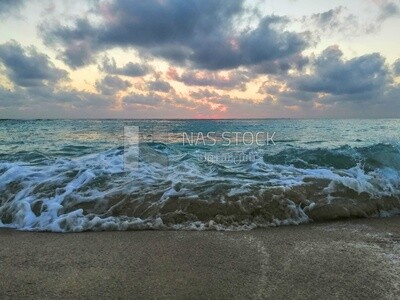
{"type": "Point", "coordinates": [97, 175]}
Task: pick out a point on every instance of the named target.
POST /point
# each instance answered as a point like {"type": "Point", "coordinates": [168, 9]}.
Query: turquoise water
{"type": "Point", "coordinates": [72, 175]}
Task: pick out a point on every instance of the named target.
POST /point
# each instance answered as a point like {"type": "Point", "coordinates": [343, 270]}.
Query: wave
{"type": "Point", "coordinates": [173, 189]}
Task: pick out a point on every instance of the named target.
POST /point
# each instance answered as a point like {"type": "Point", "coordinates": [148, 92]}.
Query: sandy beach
{"type": "Point", "coordinates": [357, 259]}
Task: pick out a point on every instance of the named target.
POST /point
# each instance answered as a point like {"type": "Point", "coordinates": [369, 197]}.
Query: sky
{"type": "Point", "coordinates": [199, 59]}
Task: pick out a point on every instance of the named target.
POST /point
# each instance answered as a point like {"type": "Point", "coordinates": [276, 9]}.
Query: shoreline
{"type": "Point", "coordinates": [344, 259]}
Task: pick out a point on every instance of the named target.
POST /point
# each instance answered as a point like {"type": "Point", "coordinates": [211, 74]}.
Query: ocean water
{"type": "Point", "coordinates": [78, 175]}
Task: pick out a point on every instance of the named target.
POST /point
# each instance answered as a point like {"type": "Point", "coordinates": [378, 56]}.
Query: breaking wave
{"type": "Point", "coordinates": [173, 189]}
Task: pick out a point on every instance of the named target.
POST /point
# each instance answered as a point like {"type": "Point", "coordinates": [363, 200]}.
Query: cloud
{"type": "Point", "coordinates": [58, 103]}
{"type": "Point", "coordinates": [202, 33]}
{"type": "Point", "coordinates": [149, 99]}
{"type": "Point", "coordinates": [282, 66]}
{"type": "Point", "coordinates": [388, 9]}
{"type": "Point", "coordinates": [396, 67]}
{"type": "Point", "coordinates": [9, 6]}
{"type": "Point", "coordinates": [130, 69]}
{"type": "Point", "coordinates": [204, 93]}
{"type": "Point", "coordinates": [357, 78]}
{"type": "Point", "coordinates": [78, 50]}
{"type": "Point", "coordinates": [269, 41]}
{"type": "Point", "coordinates": [27, 67]}
{"type": "Point", "coordinates": [340, 20]}
{"type": "Point", "coordinates": [110, 85]}
{"type": "Point", "coordinates": [328, 18]}
{"type": "Point", "coordinates": [145, 24]}
{"type": "Point", "coordinates": [337, 19]}
{"type": "Point", "coordinates": [172, 74]}
{"type": "Point", "coordinates": [230, 80]}
{"type": "Point", "coordinates": [9, 98]}
{"type": "Point", "coordinates": [67, 98]}
{"type": "Point", "coordinates": [159, 86]}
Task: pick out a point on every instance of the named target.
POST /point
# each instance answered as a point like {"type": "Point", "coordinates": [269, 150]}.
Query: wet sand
{"type": "Point", "coordinates": [357, 259]}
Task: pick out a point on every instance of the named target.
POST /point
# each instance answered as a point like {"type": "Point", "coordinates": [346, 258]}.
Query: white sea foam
{"type": "Point", "coordinates": [94, 192]}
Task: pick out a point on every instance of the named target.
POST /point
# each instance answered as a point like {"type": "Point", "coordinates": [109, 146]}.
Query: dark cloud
{"type": "Point", "coordinates": [233, 79]}
{"type": "Point", "coordinates": [159, 86]}
{"type": "Point", "coordinates": [334, 19]}
{"type": "Point", "coordinates": [34, 98]}
{"type": "Point", "coordinates": [27, 67]}
{"type": "Point", "coordinates": [270, 88]}
{"type": "Point", "coordinates": [340, 20]}
{"type": "Point", "coordinates": [146, 24]}
{"type": "Point", "coordinates": [388, 9]}
{"type": "Point", "coordinates": [396, 67]}
{"type": "Point", "coordinates": [390, 105]}
{"type": "Point", "coordinates": [78, 50]}
{"type": "Point", "coordinates": [67, 98]}
{"type": "Point", "coordinates": [130, 69]}
{"type": "Point", "coordinates": [328, 18]}
{"type": "Point", "coordinates": [199, 32]}
{"type": "Point", "coordinates": [206, 96]}
{"type": "Point", "coordinates": [383, 105]}
{"type": "Point", "coordinates": [204, 93]}
{"type": "Point", "coordinates": [11, 98]}
{"type": "Point", "coordinates": [9, 6]}
{"type": "Point", "coordinates": [150, 99]}
{"type": "Point", "coordinates": [268, 42]}
{"type": "Point", "coordinates": [77, 54]}
{"type": "Point", "coordinates": [110, 85]}
{"type": "Point", "coordinates": [302, 98]}
{"type": "Point", "coordinates": [357, 78]}
{"type": "Point", "coordinates": [282, 66]}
